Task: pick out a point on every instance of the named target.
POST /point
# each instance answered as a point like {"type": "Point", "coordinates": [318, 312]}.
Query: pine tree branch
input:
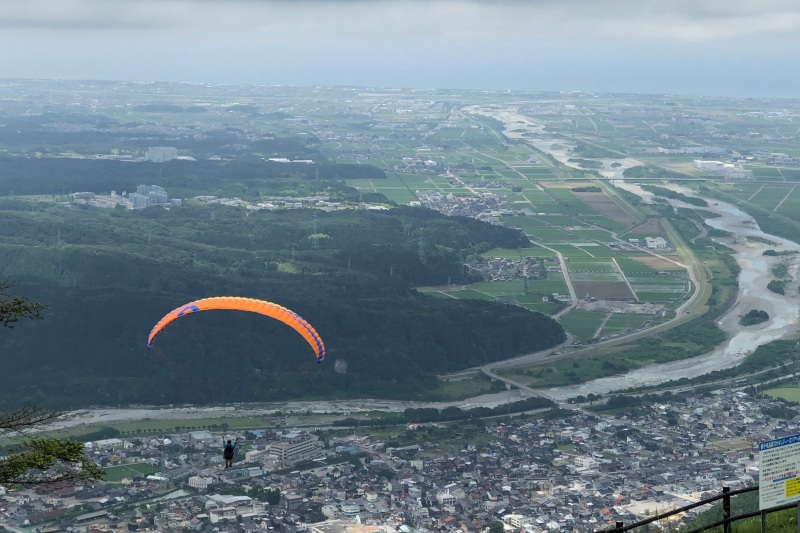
{"type": "Point", "coordinates": [25, 418]}
{"type": "Point", "coordinates": [12, 308]}
{"type": "Point", "coordinates": [45, 461]}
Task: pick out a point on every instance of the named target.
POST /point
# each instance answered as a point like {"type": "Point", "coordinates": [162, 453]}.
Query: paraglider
{"type": "Point", "coordinates": [236, 303]}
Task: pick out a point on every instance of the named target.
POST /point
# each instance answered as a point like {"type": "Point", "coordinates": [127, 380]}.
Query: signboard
{"type": "Point", "coordinates": [779, 478]}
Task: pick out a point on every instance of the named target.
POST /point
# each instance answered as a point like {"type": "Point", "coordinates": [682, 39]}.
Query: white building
{"type": "Point", "coordinates": [222, 513]}
{"type": "Point", "coordinates": [256, 455]}
{"type": "Point", "coordinates": [349, 509]}
{"type": "Point", "coordinates": [139, 201]}
{"type": "Point", "coordinates": [656, 243]}
{"type": "Point", "coordinates": [515, 520]}
{"type": "Point", "coordinates": [160, 154]}
{"type": "Point", "coordinates": [729, 170]}
{"type": "Point", "coordinates": [147, 195]}
{"type": "Point", "coordinates": [155, 195]}
{"type": "Point", "coordinates": [446, 498]}
{"type": "Point", "coordinates": [585, 461]}
{"type": "Point", "coordinates": [200, 483]}
{"type": "Point", "coordinates": [296, 447]}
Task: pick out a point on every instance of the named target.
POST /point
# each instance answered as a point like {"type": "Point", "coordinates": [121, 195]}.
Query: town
{"type": "Point", "coordinates": [574, 471]}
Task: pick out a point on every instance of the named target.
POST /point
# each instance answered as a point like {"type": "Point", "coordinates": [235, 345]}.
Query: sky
{"type": "Point", "coordinates": [697, 47]}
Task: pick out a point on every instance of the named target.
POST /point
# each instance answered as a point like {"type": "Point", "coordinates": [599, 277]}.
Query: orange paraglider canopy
{"type": "Point", "coordinates": [237, 303]}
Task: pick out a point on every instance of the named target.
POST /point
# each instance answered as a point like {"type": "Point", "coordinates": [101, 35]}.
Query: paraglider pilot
{"type": "Point", "coordinates": [228, 451]}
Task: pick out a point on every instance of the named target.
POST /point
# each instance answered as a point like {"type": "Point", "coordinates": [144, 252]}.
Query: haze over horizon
{"type": "Point", "coordinates": [726, 48]}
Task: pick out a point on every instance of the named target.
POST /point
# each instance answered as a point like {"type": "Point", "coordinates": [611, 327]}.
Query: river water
{"type": "Point", "coordinates": [784, 311]}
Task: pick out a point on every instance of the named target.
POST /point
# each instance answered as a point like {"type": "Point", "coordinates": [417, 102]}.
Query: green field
{"type": "Point", "coordinates": [790, 394]}
{"type": "Point", "coordinates": [582, 324]}
{"type": "Point", "coordinates": [115, 474]}
{"type": "Point", "coordinates": [509, 253]}
{"type": "Point", "coordinates": [470, 293]}
{"type": "Point", "coordinates": [512, 291]}
{"type": "Point", "coordinates": [593, 269]}
{"type": "Point", "coordinates": [546, 308]}
{"type": "Point", "coordinates": [468, 387]}
{"type": "Point", "coordinates": [624, 321]}
{"type": "Point", "coordinates": [768, 172]}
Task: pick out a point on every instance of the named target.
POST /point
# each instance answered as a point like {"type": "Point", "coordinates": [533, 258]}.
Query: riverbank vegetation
{"type": "Point", "coordinates": [674, 195]}
{"type": "Point", "coordinates": [778, 286]}
{"type": "Point", "coordinates": [767, 362]}
{"type": "Point", "coordinates": [753, 317]}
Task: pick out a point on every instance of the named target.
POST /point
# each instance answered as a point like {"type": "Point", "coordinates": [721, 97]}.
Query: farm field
{"type": "Point", "coordinates": [649, 228]}
{"type": "Point", "coordinates": [770, 173]}
{"type": "Point", "coordinates": [516, 253]}
{"type": "Point", "coordinates": [790, 203]}
{"type": "Point", "coordinates": [509, 291]}
{"type": "Point", "coordinates": [606, 207]}
{"type": "Point", "coordinates": [623, 321]}
{"type": "Point", "coordinates": [583, 324]}
{"type": "Point", "coordinates": [593, 269]}
{"type": "Point", "coordinates": [770, 197]}
{"type": "Point", "coordinates": [556, 217]}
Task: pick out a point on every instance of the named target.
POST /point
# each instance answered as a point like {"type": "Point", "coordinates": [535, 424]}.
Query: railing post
{"type": "Point", "coordinates": [618, 526]}
{"type": "Point", "coordinates": [798, 517]}
{"type": "Point", "coordinates": [726, 509]}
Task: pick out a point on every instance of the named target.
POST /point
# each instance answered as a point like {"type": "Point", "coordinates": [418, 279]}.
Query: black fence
{"type": "Point", "coordinates": [725, 522]}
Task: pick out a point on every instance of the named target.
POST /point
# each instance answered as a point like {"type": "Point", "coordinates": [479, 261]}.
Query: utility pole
{"type": "Point", "coordinates": [421, 250]}
{"type": "Point", "coordinates": [314, 236]}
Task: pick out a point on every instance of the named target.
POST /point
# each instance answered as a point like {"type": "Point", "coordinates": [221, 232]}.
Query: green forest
{"type": "Point", "coordinates": [247, 177]}
{"type": "Point", "coordinates": [108, 275]}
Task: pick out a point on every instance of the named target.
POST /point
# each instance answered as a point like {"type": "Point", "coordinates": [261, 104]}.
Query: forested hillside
{"type": "Point", "coordinates": [109, 275]}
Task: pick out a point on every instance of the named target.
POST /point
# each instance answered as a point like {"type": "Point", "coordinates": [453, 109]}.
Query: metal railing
{"type": "Point", "coordinates": [726, 521]}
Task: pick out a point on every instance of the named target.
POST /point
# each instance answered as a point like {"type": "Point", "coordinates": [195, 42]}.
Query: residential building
{"type": "Point", "coordinates": [295, 447]}
{"type": "Point", "coordinates": [161, 154]}
{"type": "Point", "coordinates": [200, 483]}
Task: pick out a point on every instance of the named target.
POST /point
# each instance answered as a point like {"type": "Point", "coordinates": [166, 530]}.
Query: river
{"type": "Point", "coordinates": [784, 311]}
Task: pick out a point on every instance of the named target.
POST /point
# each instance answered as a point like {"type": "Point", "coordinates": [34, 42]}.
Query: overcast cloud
{"type": "Point", "coordinates": [669, 20]}
{"type": "Point", "coordinates": [534, 44]}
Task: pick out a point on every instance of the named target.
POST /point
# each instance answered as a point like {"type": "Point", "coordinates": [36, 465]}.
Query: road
{"type": "Point", "coordinates": [567, 279]}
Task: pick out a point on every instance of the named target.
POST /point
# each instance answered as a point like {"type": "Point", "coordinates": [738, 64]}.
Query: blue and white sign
{"type": "Point", "coordinates": [779, 477]}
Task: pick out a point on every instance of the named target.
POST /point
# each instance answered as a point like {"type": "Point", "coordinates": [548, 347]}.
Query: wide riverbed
{"type": "Point", "coordinates": [784, 311]}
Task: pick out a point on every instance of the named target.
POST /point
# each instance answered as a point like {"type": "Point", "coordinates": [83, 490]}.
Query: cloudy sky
{"type": "Point", "coordinates": [725, 47]}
